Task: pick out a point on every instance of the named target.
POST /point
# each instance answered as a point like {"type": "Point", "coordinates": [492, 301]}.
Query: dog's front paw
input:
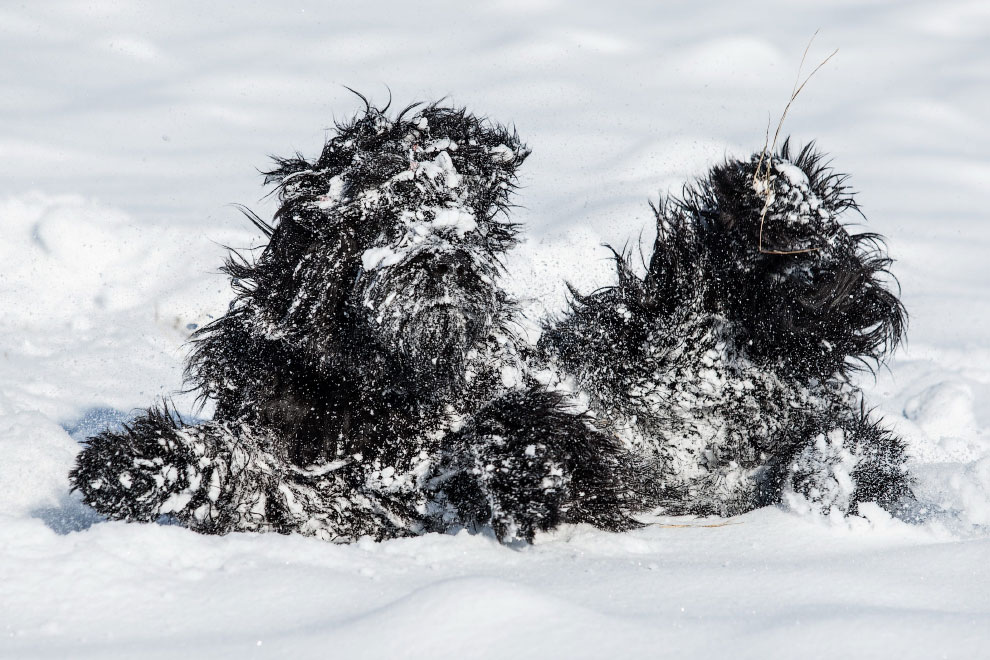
{"type": "Point", "coordinates": [140, 473]}
{"type": "Point", "coordinates": [856, 461]}
{"type": "Point", "coordinates": [527, 463]}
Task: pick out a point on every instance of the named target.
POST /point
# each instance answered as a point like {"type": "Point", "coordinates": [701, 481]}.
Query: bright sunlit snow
{"type": "Point", "coordinates": [127, 130]}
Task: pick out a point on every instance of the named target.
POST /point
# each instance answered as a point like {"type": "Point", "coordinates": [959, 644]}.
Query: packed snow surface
{"type": "Point", "coordinates": [127, 129]}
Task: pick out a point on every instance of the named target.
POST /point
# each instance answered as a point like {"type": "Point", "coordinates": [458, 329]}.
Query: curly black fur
{"type": "Point", "coordinates": [728, 364]}
{"type": "Point", "coordinates": [499, 469]}
{"type": "Point", "coordinates": [368, 381]}
{"type": "Point", "coordinates": [365, 363]}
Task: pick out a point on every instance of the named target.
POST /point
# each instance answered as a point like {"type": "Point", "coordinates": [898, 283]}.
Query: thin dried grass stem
{"type": "Point", "coordinates": [766, 156]}
{"type": "Point", "coordinates": [690, 526]}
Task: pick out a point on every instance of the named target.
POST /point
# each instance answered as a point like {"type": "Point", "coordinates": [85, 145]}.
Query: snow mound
{"type": "Point", "coordinates": [468, 617]}
{"type": "Point", "coordinates": [75, 259]}
{"type": "Point", "coordinates": [37, 455]}
{"type": "Point", "coordinates": [945, 412]}
{"type": "Point", "coordinates": [156, 113]}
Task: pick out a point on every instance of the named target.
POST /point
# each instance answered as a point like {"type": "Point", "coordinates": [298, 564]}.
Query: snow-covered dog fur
{"type": "Point", "coordinates": [367, 379]}
{"type": "Point", "coordinates": [727, 364]}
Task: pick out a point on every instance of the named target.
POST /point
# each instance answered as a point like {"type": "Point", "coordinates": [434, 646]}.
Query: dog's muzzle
{"type": "Point", "coordinates": [431, 308]}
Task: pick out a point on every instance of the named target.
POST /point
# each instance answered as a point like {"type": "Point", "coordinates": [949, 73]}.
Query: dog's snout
{"type": "Point", "coordinates": [446, 267]}
{"type": "Point", "coordinates": [450, 269]}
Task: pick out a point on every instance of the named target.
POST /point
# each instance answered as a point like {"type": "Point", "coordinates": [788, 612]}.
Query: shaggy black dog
{"type": "Point", "coordinates": [367, 379]}
{"type": "Point", "coordinates": [727, 365]}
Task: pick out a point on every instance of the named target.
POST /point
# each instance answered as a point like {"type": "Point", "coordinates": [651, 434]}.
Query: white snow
{"type": "Point", "coordinates": [794, 174]}
{"type": "Point", "coordinates": [381, 257]}
{"type": "Point", "coordinates": [126, 129]}
{"type": "Point", "coordinates": [460, 220]}
{"type": "Point", "coordinates": [441, 166]}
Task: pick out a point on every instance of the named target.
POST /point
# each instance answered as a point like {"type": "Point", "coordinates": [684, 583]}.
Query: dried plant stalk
{"type": "Point", "coordinates": [761, 179]}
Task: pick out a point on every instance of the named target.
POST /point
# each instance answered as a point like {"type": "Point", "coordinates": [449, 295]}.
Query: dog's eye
{"type": "Point", "coordinates": [442, 269]}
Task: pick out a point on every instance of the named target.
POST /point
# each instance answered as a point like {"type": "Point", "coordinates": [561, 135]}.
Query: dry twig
{"type": "Point", "coordinates": [767, 154]}
{"type": "Point", "coordinates": [689, 526]}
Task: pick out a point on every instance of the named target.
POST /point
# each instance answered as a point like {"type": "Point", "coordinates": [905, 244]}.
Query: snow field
{"type": "Point", "coordinates": [126, 129]}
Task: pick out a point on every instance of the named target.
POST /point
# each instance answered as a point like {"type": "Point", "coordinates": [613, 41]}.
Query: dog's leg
{"type": "Point", "coordinates": [526, 463]}
{"type": "Point", "coordinates": [851, 459]}
{"type": "Point", "coordinates": [218, 478]}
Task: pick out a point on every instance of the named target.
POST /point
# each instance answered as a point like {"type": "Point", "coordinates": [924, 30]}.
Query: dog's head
{"type": "Point", "coordinates": [392, 239]}
{"type": "Point", "coordinates": [782, 265]}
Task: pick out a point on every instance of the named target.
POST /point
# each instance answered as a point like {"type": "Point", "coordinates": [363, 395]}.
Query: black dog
{"type": "Point", "coordinates": [727, 366]}
{"type": "Point", "coordinates": [367, 379]}
{"type": "Point", "coordinates": [368, 382]}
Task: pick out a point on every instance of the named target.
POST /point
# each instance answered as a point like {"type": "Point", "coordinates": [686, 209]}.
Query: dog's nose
{"type": "Point", "coordinates": [442, 269]}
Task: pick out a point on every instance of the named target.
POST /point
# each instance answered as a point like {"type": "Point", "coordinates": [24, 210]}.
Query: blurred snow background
{"type": "Point", "coordinates": [127, 129]}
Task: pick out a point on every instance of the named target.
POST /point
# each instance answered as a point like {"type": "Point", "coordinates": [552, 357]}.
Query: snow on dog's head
{"type": "Point", "coordinates": [396, 231]}
{"type": "Point", "coordinates": [810, 294]}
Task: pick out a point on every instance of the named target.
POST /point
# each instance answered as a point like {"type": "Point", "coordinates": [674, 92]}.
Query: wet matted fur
{"type": "Point", "coordinates": [727, 365]}
{"type": "Point", "coordinates": [367, 378]}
